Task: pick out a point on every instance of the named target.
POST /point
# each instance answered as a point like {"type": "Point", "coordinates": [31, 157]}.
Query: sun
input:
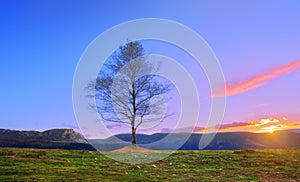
{"type": "Point", "coordinates": [273, 128]}
{"type": "Point", "coordinates": [270, 129]}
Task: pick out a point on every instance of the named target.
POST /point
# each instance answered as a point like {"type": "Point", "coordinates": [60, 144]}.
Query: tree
{"type": "Point", "coordinates": [127, 89]}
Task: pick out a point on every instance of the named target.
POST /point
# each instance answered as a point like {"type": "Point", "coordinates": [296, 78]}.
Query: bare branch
{"type": "Point", "coordinates": [125, 86]}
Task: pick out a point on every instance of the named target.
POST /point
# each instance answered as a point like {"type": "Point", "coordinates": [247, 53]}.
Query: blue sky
{"type": "Point", "coordinates": [42, 41]}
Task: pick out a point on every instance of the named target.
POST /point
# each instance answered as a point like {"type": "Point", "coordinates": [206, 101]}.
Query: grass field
{"type": "Point", "coordinates": [64, 165]}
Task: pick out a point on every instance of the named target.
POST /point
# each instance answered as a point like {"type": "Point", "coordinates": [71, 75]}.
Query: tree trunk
{"type": "Point", "coordinates": [133, 136]}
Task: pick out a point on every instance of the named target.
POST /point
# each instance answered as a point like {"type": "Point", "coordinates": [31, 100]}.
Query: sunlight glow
{"type": "Point", "coordinates": [270, 129]}
{"type": "Point", "coordinates": [266, 125]}
{"type": "Point", "coordinates": [273, 128]}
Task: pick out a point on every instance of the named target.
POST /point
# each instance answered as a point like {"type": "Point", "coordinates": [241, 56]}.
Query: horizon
{"type": "Point", "coordinates": [177, 131]}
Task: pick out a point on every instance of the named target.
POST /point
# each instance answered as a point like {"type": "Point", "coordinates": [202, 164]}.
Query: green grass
{"type": "Point", "coordinates": [64, 165]}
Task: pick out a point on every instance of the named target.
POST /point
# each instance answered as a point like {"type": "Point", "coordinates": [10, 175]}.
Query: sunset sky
{"type": "Point", "coordinates": [256, 42]}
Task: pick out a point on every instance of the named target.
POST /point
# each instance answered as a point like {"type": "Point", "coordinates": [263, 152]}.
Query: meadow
{"type": "Point", "coordinates": [202, 165]}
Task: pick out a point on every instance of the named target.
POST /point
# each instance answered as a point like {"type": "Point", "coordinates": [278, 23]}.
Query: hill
{"type": "Point", "coordinates": [55, 138]}
{"type": "Point", "coordinates": [222, 141]}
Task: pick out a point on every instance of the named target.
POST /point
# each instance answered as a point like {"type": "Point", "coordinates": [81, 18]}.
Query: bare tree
{"type": "Point", "coordinates": [127, 89]}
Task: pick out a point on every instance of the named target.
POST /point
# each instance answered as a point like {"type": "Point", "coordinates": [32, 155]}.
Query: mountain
{"type": "Point", "coordinates": [69, 139]}
{"type": "Point", "coordinates": [222, 141]}
{"type": "Point", "coordinates": [294, 130]}
{"type": "Point", "coordinates": [55, 138]}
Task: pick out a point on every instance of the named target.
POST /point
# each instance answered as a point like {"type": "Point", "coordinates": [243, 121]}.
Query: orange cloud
{"type": "Point", "coordinates": [264, 121]}
{"type": "Point", "coordinates": [257, 81]}
{"type": "Point", "coordinates": [257, 126]}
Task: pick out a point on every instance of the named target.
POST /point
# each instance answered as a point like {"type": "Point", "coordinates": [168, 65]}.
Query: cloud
{"type": "Point", "coordinates": [261, 125]}
{"type": "Point", "coordinates": [257, 80]}
{"type": "Point", "coordinates": [250, 124]}
{"type": "Point", "coordinates": [226, 126]}
{"type": "Point", "coordinates": [264, 121]}
{"type": "Point", "coordinates": [113, 126]}
{"type": "Point", "coordinates": [233, 125]}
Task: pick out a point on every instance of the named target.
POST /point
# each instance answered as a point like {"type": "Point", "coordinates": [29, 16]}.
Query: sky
{"type": "Point", "coordinates": [256, 42]}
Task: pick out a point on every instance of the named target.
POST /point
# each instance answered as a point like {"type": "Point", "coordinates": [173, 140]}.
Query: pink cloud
{"type": "Point", "coordinates": [233, 124]}
{"type": "Point", "coordinates": [257, 80]}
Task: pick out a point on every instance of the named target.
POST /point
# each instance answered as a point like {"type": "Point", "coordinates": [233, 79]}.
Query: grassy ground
{"type": "Point", "coordinates": [63, 165]}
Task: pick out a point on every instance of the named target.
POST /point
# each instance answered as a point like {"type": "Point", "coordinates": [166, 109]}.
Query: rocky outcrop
{"type": "Point", "coordinates": [55, 138]}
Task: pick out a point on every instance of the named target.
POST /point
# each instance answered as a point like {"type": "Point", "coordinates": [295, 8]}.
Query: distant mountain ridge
{"type": "Point", "coordinates": [54, 138]}
{"type": "Point", "coordinates": [69, 139]}
{"type": "Point", "coordinates": [221, 141]}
